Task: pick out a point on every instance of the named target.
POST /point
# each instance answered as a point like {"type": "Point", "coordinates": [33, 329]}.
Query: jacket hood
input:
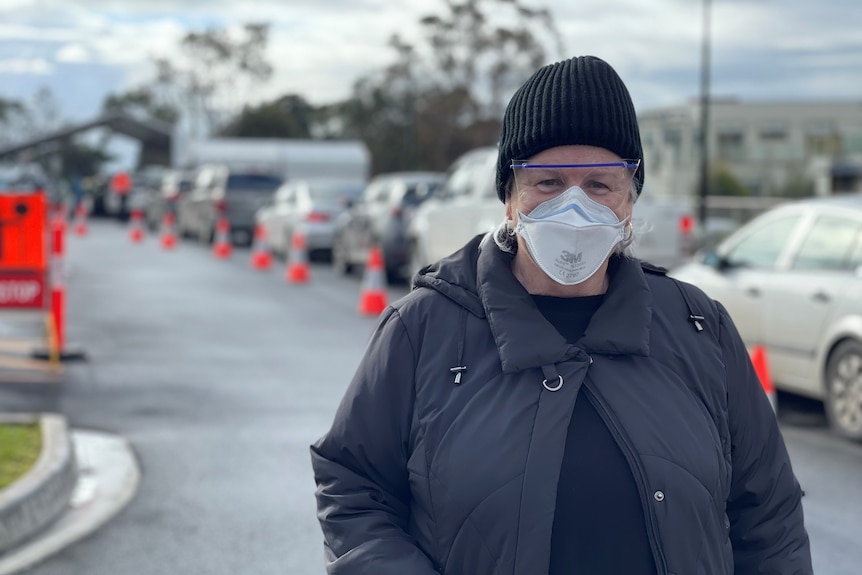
{"type": "Point", "coordinates": [479, 278]}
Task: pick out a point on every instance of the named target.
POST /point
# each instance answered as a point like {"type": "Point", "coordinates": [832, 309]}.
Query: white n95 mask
{"type": "Point", "coordinates": [570, 236]}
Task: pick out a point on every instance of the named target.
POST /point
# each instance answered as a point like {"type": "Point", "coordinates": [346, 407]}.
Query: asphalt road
{"type": "Point", "coordinates": [220, 377]}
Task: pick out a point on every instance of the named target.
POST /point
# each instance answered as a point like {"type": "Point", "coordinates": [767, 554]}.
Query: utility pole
{"type": "Point", "coordinates": [704, 116]}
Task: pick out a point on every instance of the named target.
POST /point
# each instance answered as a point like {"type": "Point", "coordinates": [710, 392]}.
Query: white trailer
{"type": "Point", "coordinates": [289, 158]}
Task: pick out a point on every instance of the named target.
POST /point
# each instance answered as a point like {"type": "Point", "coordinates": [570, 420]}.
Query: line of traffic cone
{"type": "Point", "coordinates": [81, 228]}
{"type": "Point", "coordinates": [761, 367]}
{"type": "Point", "coordinates": [136, 231]}
{"type": "Point", "coordinates": [261, 258]}
{"type": "Point", "coordinates": [168, 237]}
{"type": "Point", "coordinates": [297, 259]}
{"type": "Point", "coordinates": [222, 247]}
{"type": "Point", "coordinates": [373, 297]}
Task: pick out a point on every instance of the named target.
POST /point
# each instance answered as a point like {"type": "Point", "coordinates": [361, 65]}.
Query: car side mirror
{"type": "Point", "coordinates": [712, 259]}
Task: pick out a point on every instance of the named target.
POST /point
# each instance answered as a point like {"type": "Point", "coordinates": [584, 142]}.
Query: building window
{"type": "Point", "coordinates": [853, 143]}
{"type": "Point", "coordinates": [823, 144]}
{"type": "Point", "coordinates": [673, 140]}
{"type": "Point", "coordinates": [773, 131]}
{"type": "Point", "coordinates": [731, 147]}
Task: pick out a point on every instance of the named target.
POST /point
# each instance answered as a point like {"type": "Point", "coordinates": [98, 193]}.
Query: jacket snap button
{"type": "Point", "coordinates": [659, 496]}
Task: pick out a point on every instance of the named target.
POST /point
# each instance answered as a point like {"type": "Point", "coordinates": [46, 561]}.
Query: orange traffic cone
{"type": "Point", "coordinates": [761, 367]}
{"type": "Point", "coordinates": [297, 260]}
{"type": "Point", "coordinates": [261, 258]}
{"type": "Point", "coordinates": [373, 298]}
{"type": "Point", "coordinates": [136, 233]}
{"type": "Point", "coordinates": [222, 248]}
{"type": "Point", "coordinates": [81, 219]}
{"type": "Point", "coordinates": [169, 233]}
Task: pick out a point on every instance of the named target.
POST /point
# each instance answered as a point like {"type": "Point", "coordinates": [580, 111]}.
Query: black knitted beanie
{"type": "Point", "coordinates": [581, 101]}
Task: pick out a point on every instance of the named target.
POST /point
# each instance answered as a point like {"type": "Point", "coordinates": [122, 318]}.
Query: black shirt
{"type": "Point", "coordinates": [599, 526]}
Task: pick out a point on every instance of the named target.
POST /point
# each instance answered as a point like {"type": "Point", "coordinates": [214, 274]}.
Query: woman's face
{"type": "Point", "coordinates": [608, 186]}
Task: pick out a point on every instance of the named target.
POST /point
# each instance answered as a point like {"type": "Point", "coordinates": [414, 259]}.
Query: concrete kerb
{"type": "Point", "coordinates": [37, 499]}
{"type": "Point", "coordinates": [108, 479]}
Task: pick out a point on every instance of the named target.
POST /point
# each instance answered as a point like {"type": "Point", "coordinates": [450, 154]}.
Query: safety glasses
{"type": "Point", "coordinates": [607, 180]}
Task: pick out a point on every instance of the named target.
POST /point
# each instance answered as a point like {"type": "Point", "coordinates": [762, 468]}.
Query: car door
{"type": "Point", "coordinates": [801, 301]}
{"type": "Point", "coordinates": [749, 265]}
{"type": "Point", "coordinates": [451, 220]}
{"type": "Point", "coordinates": [265, 218]}
{"type": "Point", "coordinates": [281, 215]}
{"type": "Point", "coordinates": [488, 211]}
{"type": "Point", "coordinates": [362, 215]}
{"type": "Point", "coordinates": [191, 215]}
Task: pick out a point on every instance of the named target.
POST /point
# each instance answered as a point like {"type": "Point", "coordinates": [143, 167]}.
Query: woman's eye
{"type": "Point", "coordinates": [547, 185]}
{"type": "Point", "coordinates": [597, 185]}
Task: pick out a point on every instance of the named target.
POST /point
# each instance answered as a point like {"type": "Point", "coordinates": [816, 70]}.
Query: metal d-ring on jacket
{"type": "Point", "coordinates": [445, 452]}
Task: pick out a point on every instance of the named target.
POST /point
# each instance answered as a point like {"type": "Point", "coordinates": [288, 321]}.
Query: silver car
{"type": "Point", "coordinates": [791, 279]}
{"type": "Point", "coordinates": [381, 217]}
{"type": "Point", "coordinates": [310, 206]}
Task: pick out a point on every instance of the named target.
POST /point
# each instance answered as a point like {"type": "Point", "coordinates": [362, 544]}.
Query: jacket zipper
{"type": "Point", "coordinates": [640, 479]}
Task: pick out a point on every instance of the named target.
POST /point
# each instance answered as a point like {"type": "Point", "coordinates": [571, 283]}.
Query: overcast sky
{"type": "Point", "coordinates": [762, 49]}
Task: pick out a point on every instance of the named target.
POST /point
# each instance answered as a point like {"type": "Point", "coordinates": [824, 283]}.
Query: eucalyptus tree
{"type": "Point", "coordinates": [444, 92]}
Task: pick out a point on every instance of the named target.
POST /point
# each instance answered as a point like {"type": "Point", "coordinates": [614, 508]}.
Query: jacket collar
{"type": "Point", "coordinates": [525, 339]}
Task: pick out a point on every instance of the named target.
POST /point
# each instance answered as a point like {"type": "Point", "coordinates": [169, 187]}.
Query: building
{"type": "Point", "coordinates": [772, 148]}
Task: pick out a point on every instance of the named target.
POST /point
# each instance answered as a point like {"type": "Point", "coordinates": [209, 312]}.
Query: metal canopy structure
{"type": "Point", "coordinates": [154, 135]}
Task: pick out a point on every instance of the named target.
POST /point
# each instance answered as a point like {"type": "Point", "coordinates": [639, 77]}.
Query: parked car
{"type": "Point", "coordinates": [380, 217]}
{"type": "Point", "coordinates": [174, 185]}
{"type": "Point", "coordinates": [791, 279]}
{"type": "Point", "coordinates": [311, 206]}
{"type": "Point", "coordinates": [665, 231]}
{"type": "Point", "coordinates": [129, 192]}
{"type": "Point", "coordinates": [146, 184]}
{"type": "Point", "coordinates": [466, 205]}
{"type": "Point", "coordinates": [220, 191]}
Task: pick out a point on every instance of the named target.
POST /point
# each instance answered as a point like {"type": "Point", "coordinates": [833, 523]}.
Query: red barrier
{"type": "Point", "coordinates": [23, 250]}
{"type": "Point", "coordinates": [81, 219]}
{"type": "Point", "coordinates": [58, 280]}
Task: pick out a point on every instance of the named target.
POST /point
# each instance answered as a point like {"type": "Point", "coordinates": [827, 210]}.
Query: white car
{"type": "Point", "coordinates": [791, 280]}
{"type": "Point", "coordinates": [465, 206]}
{"type": "Point", "coordinates": [310, 206]}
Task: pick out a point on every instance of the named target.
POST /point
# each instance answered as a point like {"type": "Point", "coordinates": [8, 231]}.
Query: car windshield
{"type": "Point", "coordinates": [335, 191]}
{"type": "Point", "coordinates": [415, 194]}
{"type": "Point", "coordinates": [252, 183]}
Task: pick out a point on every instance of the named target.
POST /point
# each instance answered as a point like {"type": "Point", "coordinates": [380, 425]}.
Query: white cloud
{"type": "Point", "coordinates": [73, 54]}
{"type": "Point", "coordinates": [24, 66]}
{"type": "Point", "coordinates": [30, 33]}
{"type": "Point", "coordinates": [318, 49]}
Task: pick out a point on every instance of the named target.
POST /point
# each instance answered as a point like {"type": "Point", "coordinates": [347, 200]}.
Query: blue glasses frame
{"type": "Point", "coordinates": [628, 164]}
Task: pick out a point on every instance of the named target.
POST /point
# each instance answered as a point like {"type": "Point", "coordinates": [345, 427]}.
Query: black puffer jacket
{"type": "Point", "coordinates": [421, 473]}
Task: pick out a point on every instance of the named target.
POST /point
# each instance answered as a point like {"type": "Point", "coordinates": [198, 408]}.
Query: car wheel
{"type": "Point", "coordinates": [844, 390]}
{"type": "Point", "coordinates": [339, 258]}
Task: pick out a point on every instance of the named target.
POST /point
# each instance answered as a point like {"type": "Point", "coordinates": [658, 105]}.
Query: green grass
{"type": "Point", "coordinates": [19, 449]}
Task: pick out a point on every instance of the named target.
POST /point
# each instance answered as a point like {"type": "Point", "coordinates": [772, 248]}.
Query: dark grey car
{"type": "Point", "coordinates": [220, 191]}
{"type": "Point", "coordinates": [380, 217]}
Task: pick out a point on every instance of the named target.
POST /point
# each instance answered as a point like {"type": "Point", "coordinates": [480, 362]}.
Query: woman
{"type": "Point", "coordinates": [543, 403]}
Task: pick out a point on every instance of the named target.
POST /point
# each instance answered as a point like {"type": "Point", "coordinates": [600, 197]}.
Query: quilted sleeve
{"type": "Point", "coordinates": [360, 465]}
